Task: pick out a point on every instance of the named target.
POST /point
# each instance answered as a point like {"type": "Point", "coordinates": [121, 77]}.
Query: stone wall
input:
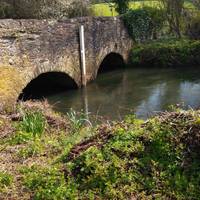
{"type": "Point", "coordinates": [33, 47]}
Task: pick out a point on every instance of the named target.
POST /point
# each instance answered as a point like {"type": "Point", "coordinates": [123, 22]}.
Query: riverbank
{"type": "Point", "coordinates": [167, 53]}
{"type": "Point", "coordinates": [44, 155]}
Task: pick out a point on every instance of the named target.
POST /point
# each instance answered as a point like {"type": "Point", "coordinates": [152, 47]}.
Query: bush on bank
{"type": "Point", "coordinates": [167, 53]}
{"type": "Point", "coordinates": [156, 159]}
{"type": "Point", "coordinates": [144, 23]}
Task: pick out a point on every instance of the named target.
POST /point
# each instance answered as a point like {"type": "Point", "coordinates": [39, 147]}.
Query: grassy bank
{"type": "Point", "coordinates": [167, 53]}
{"type": "Point", "coordinates": [47, 156]}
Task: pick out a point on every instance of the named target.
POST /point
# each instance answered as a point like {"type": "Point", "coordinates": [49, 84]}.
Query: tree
{"type": "Point", "coordinates": [173, 12]}
{"type": "Point", "coordinates": [41, 9]}
{"type": "Point", "coordinates": [121, 6]}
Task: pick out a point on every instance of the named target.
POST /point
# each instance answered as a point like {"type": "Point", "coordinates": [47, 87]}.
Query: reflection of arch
{"type": "Point", "coordinates": [46, 84]}
{"type": "Point", "coordinates": [111, 61]}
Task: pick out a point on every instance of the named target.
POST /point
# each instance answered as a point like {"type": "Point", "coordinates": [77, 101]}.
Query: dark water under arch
{"type": "Point", "coordinates": [47, 84]}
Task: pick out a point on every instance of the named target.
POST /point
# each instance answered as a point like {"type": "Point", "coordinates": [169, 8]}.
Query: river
{"type": "Point", "coordinates": [143, 92]}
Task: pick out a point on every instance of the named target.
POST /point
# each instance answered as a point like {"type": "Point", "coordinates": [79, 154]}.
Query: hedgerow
{"type": "Point", "coordinates": [167, 53]}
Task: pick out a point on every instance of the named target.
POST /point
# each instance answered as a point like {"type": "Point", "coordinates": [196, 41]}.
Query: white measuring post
{"type": "Point", "coordinates": [82, 49]}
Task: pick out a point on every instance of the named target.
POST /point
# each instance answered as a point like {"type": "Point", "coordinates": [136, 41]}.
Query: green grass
{"type": "Point", "coordinates": [119, 160]}
{"type": "Point", "coordinates": [5, 180]}
{"type": "Point", "coordinates": [103, 9]}
{"type": "Point", "coordinates": [40, 138]}
{"type": "Point", "coordinates": [33, 122]}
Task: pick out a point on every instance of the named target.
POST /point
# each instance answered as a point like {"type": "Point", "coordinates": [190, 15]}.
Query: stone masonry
{"type": "Point", "coordinates": [33, 47]}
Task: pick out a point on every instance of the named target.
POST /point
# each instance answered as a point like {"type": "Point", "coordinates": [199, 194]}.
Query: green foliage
{"type": "Point", "coordinates": [193, 27]}
{"type": "Point", "coordinates": [121, 6]}
{"type": "Point", "coordinates": [156, 159]}
{"type": "Point", "coordinates": [33, 122]}
{"type": "Point", "coordinates": [20, 137]}
{"type": "Point", "coordinates": [150, 161]}
{"type": "Point", "coordinates": [5, 180]}
{"type": "Point", "coordinates": [42, 9]}
{"type": "Point", "coordinates": [31, 127]}
{"type": "Point", "coordinates": [167, 53]}
{"type": "Point", "coordinates": [77, 119]}
{"type": "Point", "coordinates": [34, 148]}
{"type": "Point", "coordinates": [46, 183]}
{"type": "Point", "coordinates": [144, 23]}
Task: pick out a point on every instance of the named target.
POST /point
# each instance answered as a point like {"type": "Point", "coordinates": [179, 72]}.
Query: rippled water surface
{"type": "Point", "coordinates": [140, 91]}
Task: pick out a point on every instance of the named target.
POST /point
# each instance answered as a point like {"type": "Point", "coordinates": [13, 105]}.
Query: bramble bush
{"type": "Point", "coordinates": [158, 159]}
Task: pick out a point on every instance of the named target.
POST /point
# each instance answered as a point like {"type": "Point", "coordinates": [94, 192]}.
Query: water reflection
{"type": "Point", "coordinates": [142, 91]}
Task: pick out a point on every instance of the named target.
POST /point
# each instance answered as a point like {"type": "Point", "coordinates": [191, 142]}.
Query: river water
{"type": "Point", "coordinates": [143, 92]}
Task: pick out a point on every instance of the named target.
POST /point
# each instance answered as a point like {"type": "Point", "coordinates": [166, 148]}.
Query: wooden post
{"type": "Point", "coordinates": [82, 50]}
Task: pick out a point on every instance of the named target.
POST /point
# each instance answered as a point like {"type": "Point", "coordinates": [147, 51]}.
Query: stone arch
{"type": "Point", "coordinates": [112, 60]}
{"type": "Point", "coordinates": [47, 83]}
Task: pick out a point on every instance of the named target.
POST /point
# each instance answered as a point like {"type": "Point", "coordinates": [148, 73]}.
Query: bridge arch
{"type": "Point", "coordinates": [111, 61]}
{"type": "Point", "coordinates": [47, 83]}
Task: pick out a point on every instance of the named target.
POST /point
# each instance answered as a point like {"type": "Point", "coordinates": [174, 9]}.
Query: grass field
{"type": "Point", "coordinates": [103, 9]}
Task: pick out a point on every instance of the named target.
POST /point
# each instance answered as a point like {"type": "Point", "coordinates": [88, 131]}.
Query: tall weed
{"type": "Point", "coordinates": [33, 122]}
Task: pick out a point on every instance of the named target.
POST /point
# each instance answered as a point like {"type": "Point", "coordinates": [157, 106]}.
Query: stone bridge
{"type": "Point", "coordinates": [30, 49]}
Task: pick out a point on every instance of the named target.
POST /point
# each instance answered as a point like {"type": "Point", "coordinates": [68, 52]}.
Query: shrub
{"type": "Point", "coordinates": [167, 53]}
{"type": "Point", "coordinates": [144, 23]}
{"type": "Point", "coordinates": [46, 183]}
{"type": "Point", "coordinates": [121, 6]}
{"type": "Point", "coordinates": [155, 160]}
